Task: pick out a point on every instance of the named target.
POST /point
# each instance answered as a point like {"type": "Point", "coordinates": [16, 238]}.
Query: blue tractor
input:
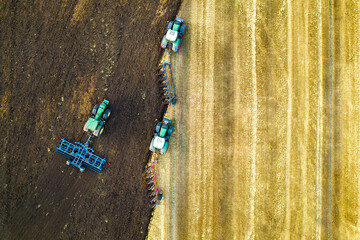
{"type": "Point", "coordinates": [175, 32]}
{"type": "Point", "coordinates": [161, 137]}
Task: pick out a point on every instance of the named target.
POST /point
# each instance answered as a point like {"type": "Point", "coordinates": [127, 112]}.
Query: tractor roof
{"type": "Point", "coordinates": [159, 142]}
{"type": "Point", "coordinates": [92, 124]}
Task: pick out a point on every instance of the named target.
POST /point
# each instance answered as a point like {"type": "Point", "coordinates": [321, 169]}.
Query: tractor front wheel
{"type": "Point", "coordinates": [96, 107]}
{"type": "Point", "coordinates": [106, 114]}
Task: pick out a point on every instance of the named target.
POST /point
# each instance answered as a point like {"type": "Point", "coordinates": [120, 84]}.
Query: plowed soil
{"type": "Point", "coordinates": [57, 59]}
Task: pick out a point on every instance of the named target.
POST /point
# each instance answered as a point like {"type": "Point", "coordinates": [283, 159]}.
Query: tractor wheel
{"type": "Point", "coordinates": [170, 130]}
{"type": "Point", "coordinates": [164, 42]}
{"type": "Point", "coordinates": [101, 131]}
{"type": "Point", "coordinates": [96, 107]}
{"type": "Point", "coordinates": [176, 45]}
{"type": "Point", "coordinates": [158, 126]}
{"type": "Point", "coordinates": [182, 30]}
{"type": "Point", "coordinates": [98, 131]}
{"type": "Point", "coordinates": [152, 148]}
{"type": "Point", "coordinates": [164, 149]}
{"type": "Point", "coordinates": [171, 23]}
{"type": "Point", "coordinates": [106, 114]}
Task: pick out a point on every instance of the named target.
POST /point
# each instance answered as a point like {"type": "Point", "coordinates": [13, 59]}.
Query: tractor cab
{"type": "Point", "coordinates": [171, 35]}
{"type": "Point", "coordinates": [159, 142]}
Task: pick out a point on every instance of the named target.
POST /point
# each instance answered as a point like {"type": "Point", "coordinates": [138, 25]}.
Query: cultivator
{"type": "Point", "coordinates": [81, 155]}
{"type": "Point", "coordinates": [154, 182]}
{"type": "Point", "coordinates": [167, 81]}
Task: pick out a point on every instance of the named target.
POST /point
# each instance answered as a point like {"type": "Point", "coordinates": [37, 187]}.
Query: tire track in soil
{"type": "Point", "coordinates": [331, 113]}
{"type": "Point", "coordinates": [289, 117]}
{"type": "Point", "coordinates": [303, 151]}
{"type": "Point", "coordinates": [319, 124]}
{"type": "Point", "coordinates": [254, 121]}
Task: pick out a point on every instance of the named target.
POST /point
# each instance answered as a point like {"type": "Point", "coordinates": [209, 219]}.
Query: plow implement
{"type": "Point", "coordinates": [167, 81]}
{"type": "Point", "coordinates": [154, 182]}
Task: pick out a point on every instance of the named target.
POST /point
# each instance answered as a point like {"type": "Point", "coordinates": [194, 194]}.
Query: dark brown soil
{"type": "Point", "coordinates": [57, 59]}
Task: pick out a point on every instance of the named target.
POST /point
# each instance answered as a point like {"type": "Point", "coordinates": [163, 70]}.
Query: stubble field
{"type": "Point", "coordinates": [267, 131]}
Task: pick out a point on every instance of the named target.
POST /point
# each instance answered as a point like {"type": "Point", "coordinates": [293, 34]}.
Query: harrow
{"type": "Point", "coordinates": [81, 155]}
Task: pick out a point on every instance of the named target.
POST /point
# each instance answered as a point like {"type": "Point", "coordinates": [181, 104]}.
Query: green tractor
{"type": "Point", "coordinates": [161, 138]}
{"type": "Point", "coordinates": [95, 124]}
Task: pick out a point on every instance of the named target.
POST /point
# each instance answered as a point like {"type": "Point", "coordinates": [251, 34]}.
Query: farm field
{"type": "Point", "coordinates": [57, 60]}
{"type": "Point", "coordinates": [267, 134]}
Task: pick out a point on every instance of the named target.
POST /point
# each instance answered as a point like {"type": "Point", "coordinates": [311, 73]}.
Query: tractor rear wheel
{"type": "Point", "coordinates": [152, 148]}
{"type": "Point", "coordinates": [176, 45]}
{"type": "Point", "coordinates": [98, 131]}
{"type": "Point", "coordinates": [106, 114]}
{"type": "Point", "coordinates": [164, 149]}
{"type": "Point", "coordinates": [101, 131]}
{"type": "Point", "coordinates": [96, 107]}
{"type": "Point", "coordinates": [164, 42]}
{"type": "Point", "coordinates": [85, 128]}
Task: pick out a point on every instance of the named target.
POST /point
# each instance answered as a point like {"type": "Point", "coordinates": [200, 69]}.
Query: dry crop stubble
{"type": "Point", "coordinates": [268, 137]}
